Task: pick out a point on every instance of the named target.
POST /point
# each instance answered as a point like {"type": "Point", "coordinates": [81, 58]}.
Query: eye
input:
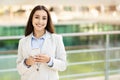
{"type": "Point", "coordinates": [44, 18]}
{"type": "Point", "coordinates": [36, 17]}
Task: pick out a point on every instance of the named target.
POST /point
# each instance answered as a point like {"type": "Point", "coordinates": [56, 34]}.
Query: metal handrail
{"type": "Point", "coordinates": [67, 34]}
{"type": "Point", "coordinates": [106, 49]}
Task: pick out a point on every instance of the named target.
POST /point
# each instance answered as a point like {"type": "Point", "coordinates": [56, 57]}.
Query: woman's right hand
{"type": "Point", "coordinates": [30, 61]}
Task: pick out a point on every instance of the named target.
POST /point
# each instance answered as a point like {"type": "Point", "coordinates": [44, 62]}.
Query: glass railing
{"type": "Point", "coordinates": [13, 30]}
{"type": "Point", "coordinates": [98, 57]}
{"type": "Point", "coordinates": [62, 28]}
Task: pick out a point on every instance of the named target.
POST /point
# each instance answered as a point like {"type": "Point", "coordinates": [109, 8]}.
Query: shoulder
{"type": "Point", "coordinates": [53, 35]}
{"type": "Point", "coordinates": [24, 39]}
{"type": "Point", "coordinates": [57, 36]}
{"type": "Point", "coordinates": [58, 39]}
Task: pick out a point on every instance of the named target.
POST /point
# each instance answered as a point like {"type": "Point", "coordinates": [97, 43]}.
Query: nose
{"type": "Point", "coordinates": [40, 21]}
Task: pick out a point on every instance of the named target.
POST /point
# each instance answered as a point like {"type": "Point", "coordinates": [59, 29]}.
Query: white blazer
{"type": "Point", "coordinates": [54, 47]}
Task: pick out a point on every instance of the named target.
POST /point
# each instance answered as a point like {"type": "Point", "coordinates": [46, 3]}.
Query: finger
{"type": "Point", "coordinates": [38, 59]}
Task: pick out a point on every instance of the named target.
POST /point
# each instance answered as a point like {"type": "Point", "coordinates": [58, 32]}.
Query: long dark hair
{"type": "Point", "coordinates": [29, 28]}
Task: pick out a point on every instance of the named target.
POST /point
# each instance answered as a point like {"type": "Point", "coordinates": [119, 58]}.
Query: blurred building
{"type": "Point", "coordinates": [90, 29]}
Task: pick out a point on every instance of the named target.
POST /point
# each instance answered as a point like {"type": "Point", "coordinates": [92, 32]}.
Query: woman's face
{"type": "Point", "coordinates": [39, 20]}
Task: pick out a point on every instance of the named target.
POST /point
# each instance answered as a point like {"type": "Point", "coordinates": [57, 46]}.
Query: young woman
{"type": "Point", "coordinates": [41, 53]}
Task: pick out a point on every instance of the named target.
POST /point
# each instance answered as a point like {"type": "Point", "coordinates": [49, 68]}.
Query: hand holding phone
{"type": "Point", "coordinates": [43, 58]}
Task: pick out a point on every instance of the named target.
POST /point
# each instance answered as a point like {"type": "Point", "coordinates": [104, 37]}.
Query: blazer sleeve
{"type": "Point", "coordinates": [59, 62]}
{"type": "Point", "coordinates": [21, 67]}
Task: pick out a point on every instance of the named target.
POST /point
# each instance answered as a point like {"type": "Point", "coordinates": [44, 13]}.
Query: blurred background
{"type": "Point", "coordinates": [90, 29]}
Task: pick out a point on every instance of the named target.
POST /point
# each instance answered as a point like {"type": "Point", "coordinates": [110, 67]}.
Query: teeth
{"type": "Point", "coordinates": [39, 25]}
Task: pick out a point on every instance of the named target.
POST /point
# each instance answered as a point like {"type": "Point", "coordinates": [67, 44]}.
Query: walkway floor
{"type": "Point", "coordinates": [112, 77]}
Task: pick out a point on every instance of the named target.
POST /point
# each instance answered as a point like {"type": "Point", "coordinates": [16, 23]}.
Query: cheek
{"type": "Point", "coordinates": [46, 22]}
{"type": "Point", "coordinates": [34, 22]}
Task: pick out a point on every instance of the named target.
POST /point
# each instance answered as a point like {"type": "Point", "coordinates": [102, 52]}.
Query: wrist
{"type": "Point", "coordinates": [50, 63]}
{"type": "Point", "coordinates": [25, 62]}
{"type": "Point", "coordinates": [48, 60]}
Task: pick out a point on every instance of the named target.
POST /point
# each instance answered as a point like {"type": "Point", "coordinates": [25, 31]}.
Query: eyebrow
{"type": "Point", "coordinates": [38, 15]}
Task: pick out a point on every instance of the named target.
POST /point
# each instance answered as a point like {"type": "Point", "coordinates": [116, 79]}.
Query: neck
{"type": "Point", "coordinates": [38, 34]}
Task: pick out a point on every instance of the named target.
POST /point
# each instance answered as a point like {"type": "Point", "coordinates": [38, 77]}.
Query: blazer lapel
{"type": "Point", "coordinates": [28, 45]}
{"type": "Point", "coordinates": [46, 42]}
{"type": "Point", "coordinates": [44, 47]}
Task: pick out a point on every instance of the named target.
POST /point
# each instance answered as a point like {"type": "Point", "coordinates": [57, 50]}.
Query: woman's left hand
{"type": "Point", "coordinates": [43, 58]}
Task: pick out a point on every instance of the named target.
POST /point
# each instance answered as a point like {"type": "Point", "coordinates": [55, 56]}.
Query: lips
{"type": "Point", "coordinates": [38, 25]}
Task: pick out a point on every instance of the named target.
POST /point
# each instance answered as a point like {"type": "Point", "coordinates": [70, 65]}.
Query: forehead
{"type": "Point", "coordinates": [40, 13]}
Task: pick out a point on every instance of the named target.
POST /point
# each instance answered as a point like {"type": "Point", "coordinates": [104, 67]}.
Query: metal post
{"type": "Point", "coordinates": [107, 57]}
